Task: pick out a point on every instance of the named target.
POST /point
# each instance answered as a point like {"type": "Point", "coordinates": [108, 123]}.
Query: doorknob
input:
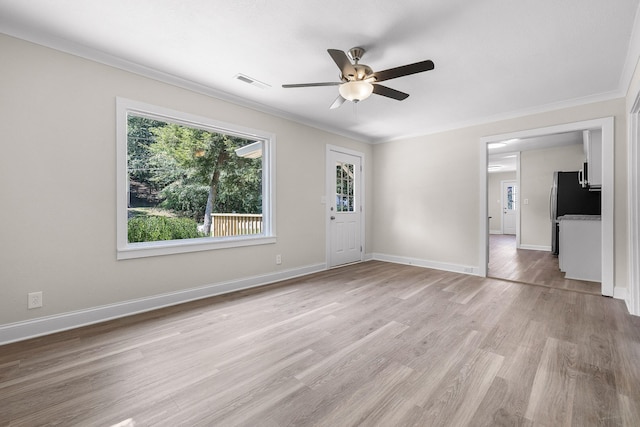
{"type": "Point", "coordinates": [332, 217]}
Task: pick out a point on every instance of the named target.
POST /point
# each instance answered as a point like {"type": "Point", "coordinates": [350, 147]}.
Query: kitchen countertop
{"type": "Point", "coordinates": [580, 217]}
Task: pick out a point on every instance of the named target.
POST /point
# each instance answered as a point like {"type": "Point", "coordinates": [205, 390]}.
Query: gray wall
{"type": "Point", "coordinates": [57, 185]}
{"type": "Point", "coordinates": [426, 197]}
{"type": "Point", "coordinates": [58, 188]}
{"type": "Point", "coordinates": [536, 177]}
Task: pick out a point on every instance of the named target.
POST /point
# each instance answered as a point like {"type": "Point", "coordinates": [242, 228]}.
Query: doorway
{"type": "Point", "coordinates": [344, 206]}
{"type": "Point", "coordinates": [606, 125]}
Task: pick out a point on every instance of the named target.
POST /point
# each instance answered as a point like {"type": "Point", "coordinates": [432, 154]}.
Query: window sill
{"type": "Point", "coordinates": [149, 249]}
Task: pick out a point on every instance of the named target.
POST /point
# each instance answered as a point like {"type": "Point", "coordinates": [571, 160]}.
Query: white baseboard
{"type": "Point", "coordinates": [620, 293]}
{"type": "Point", "coordinates": [536, 248]}
{"type": "Point", "coordinates": [495, 231]}
{"type": "Point", "coordinates": [20, 331]}
{"type": "Point", "coordinates": [436, 265]}
{"type": "Point", "coordinates": [627, 300]}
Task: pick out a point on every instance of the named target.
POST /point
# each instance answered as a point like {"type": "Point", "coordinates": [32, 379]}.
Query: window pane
{"type": "Point", "coordinates": [512, 197]}
{"type": "Point", "coordinates": [344, 187]}
{"type": "Point", "coordinates": [187, 182]}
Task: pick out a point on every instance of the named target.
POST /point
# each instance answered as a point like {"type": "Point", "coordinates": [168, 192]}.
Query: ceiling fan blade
{"type": "Point", "coordinates": [341, 60]}
{"type": "Point", "coordinates": [311, 84]}
{"type": "Point", "coordinates": [389, 93]}
{"type": "Point", "coordinates": [338, 102]}
{"type": "Point", "coordinates": [405, 70]}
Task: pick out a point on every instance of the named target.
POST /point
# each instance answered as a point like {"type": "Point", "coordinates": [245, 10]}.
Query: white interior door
{"type": "Point", "coordinates": [509, 206]}
{"type": "Point", "coordinates": [344, 173]}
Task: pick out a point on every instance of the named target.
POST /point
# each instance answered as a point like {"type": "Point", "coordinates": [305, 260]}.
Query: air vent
{"type": "Point", "coordinates": [249, 80]}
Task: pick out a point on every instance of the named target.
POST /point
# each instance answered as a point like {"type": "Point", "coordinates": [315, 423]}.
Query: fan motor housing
{"type": "Point", "coordinates": [362, 72]}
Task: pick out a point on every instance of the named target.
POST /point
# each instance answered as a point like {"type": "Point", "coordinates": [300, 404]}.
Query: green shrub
{"type": "Point", "coordinates": [188, 199]}
{"type": "Point", "coordinates": [154, 228]}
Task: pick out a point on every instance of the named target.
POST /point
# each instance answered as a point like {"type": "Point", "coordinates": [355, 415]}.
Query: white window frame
{"type": "Point", "coordinates": [126, 250]}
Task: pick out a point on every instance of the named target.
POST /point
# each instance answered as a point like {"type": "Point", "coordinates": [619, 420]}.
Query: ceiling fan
{"type": "Point", "coordinates": [359, 81]}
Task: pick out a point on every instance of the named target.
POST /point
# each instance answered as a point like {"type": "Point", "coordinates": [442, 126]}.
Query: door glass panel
{"type": "Point", "coordinates": [344, 187]}
{"type": "Point", "coordinates": [512, 197]}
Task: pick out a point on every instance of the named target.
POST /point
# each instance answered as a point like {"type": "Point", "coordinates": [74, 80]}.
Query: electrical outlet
{"type": "Point", "coordinates": [278, 259]}
{"type": "Point", "coordinates": [34, 300]}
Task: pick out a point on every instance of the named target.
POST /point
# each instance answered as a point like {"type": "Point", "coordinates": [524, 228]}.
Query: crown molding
{"type": "Point", "coordinates": [38, 37]}
{"type": "Point", "coordinates": [76, 49]}
{"type": "Point", "coordinates": [546, 108]}
{"type": "Point", "coordinates": [633, 53]}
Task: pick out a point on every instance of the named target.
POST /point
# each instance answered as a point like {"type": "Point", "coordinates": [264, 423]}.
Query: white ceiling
{"type": "Point", "coordinates": [494, 58]}
{"type": "Point", "coordinates": [504, 159]}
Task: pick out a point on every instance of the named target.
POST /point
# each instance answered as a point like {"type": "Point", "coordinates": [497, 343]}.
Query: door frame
{"type": "Point", "coordinates": [633, 296]}
{"type": "Point", "coordinates": [325, 200]}
{"type": "Point", "coordinates": [607, 126]}
{"type": "Point", "coordinates": [502, 201]}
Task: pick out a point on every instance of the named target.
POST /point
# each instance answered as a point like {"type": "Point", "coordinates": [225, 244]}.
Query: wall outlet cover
{"type": "Point", "coordinates": [34, 300]}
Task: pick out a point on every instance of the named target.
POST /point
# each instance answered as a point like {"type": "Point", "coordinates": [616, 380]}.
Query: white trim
{"type": "Point", "coordinates": [607, 126]}
{"type": "Point", "coordinates": [47, 325]}
{"type": "Point", "coordinates": [148, 249]}
{"type": "Point", "coordinates": [329, 194]}
{"type": "Point", "coordinates": [38, 37]}
{"type": "Point", "coordinates": [621, 293]}
{"type": "Point", "coordinates": [526, 112]}
{"type": "Point", "coordinates": [126, 250]}
{"type": "Point", "coordinates": [484, 209]}
{"type": "Point", "coordinates": [436, 265]}
{"type": "Point", "coordinates": [631, 60]}
{"type": "Point", "coordinates": [495, 231]}
{"type": "Point", "coordinates": [519, 213]}
{"type": "Point", "coordinates": [633, 166]}
{"type": "Point", "coordinates": [536, 248]}
{"type": "Point", "coordinates": [608, 207]}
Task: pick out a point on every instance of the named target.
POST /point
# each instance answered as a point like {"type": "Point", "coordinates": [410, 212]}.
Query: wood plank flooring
{"type": "Point", "coordinates": [371, 344]}
{"type": "Point", "coordinates": [528, 266]}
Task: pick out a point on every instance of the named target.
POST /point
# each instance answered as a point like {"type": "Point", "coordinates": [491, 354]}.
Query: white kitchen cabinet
{"type": "Point", "coordinates": [580, 248]}
{"type": "Point", "coordinates": [592, 140]}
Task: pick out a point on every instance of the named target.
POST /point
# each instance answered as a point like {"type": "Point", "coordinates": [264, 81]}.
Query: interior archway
{"type": "Point", "coordinates": [607, 127]}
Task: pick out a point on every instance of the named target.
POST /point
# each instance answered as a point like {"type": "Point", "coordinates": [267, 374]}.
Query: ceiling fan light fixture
{"type": "Point", "coordinates": [356, 90]}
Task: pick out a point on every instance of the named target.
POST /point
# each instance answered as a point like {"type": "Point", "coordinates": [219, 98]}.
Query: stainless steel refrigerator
{"type": "Point", "coordinates": [569, 198]}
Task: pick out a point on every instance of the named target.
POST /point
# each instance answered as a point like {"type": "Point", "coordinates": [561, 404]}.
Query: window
{"type": "Point", "coordinates": [512, 198]}
{"type": "Point", "coordinates": [344, 187]}
{"type": "Point", "coordinates": [188, 183]}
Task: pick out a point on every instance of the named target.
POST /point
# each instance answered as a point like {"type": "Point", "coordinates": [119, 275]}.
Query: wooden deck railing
{"type": "Point", "coordinates": [231, 224]}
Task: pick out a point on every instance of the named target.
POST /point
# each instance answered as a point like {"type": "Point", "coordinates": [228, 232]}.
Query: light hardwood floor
{"type": "Point", "coordinates": [528, 266]}
{"type": "Point", "coordinates": [367, 344]}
